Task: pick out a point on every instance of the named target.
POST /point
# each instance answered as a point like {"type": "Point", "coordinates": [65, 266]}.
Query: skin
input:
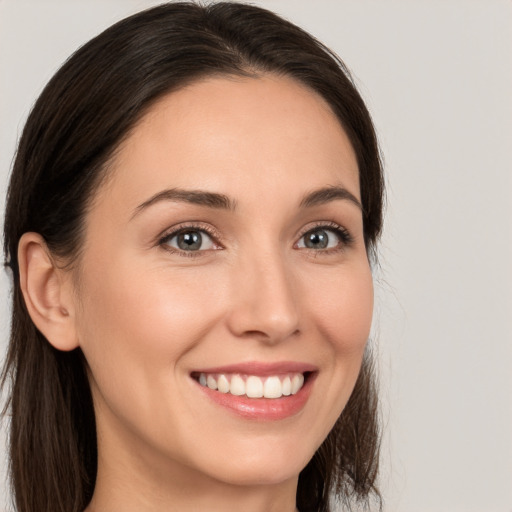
{"type": "Point", "coordinates": [147, 315]}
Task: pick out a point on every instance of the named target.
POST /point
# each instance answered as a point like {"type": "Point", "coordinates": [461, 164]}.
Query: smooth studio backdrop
{"type": "Point", "coordinates": [437, 77]}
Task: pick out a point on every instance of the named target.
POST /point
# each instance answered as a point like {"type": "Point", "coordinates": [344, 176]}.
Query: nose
{"type": "Point", "coordinates": [264, 305]}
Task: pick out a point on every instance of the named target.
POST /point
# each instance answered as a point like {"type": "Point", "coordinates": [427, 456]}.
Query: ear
{"type": "Point", "coordinates": [47, 290]}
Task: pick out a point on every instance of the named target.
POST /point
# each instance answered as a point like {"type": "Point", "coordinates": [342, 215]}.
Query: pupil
{"type": "Point", "coordinates": [317, 239]}
{"type": "Point", "coordinates": [189, 241]}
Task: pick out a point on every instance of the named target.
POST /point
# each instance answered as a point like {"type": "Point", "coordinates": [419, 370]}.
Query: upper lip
{"type": "Point", "coordinates": [261, 368]}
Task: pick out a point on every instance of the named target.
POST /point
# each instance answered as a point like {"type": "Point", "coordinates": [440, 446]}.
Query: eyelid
{"type": "Point", "coordinates": [168, 234]}
{"type": "Point", "coordinates": [346, 238]}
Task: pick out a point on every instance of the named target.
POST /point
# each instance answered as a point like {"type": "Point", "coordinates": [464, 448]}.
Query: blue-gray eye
{"type": "Point", "coordinates": [319, 238]}
{"type": "Point", "coordinates": [191, 240]}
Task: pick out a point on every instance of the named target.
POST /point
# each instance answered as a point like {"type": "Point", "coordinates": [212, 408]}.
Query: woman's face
{"type": "Point", "coordinates": [226, 250]}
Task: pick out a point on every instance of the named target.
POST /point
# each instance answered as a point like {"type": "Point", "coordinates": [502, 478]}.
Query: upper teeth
{"type": "Point", "coordinates": [253, 386]}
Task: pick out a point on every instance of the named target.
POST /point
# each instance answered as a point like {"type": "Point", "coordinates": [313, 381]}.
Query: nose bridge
{"type": "Point", "coordinates": [264, 304]}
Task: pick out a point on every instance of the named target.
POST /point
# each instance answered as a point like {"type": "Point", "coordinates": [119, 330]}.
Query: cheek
{"type": "Point", "coordinates": [343, 307]}
{"type": "Point", "coordinates": [136, 325]}
{"type": "Point", "coordinates": [136, 315]}
{"type": "Point", "coordinates": [343, 315]}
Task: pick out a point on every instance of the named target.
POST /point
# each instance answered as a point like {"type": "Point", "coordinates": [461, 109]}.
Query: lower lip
{"type": "Point", "coordinates": [264, 409]}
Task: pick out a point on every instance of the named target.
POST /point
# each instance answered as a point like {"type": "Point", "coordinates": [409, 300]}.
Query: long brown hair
{"type": "Point", "coordinates": [79, 120]}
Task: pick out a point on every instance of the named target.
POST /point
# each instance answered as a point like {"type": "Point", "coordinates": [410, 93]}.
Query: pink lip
{"type": "Point", "coordinates": [262, 409]}
{"type": "Point", "coordinates": [261, 369]}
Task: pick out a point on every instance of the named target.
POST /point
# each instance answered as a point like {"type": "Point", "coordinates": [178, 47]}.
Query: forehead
{"type": "Point", "coordinates": [229, 134]}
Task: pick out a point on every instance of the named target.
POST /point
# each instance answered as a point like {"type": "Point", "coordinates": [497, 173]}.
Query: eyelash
{"type": "Point", "coordinates": [344, 235]}
{"type": "Point", "coordinates": [346, 239]}
{"type": "Point", "coordinates": [165, 239]}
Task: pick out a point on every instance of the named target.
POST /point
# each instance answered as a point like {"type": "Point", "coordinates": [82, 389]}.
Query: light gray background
{"type": "Point", "coordinates": [437, 76]}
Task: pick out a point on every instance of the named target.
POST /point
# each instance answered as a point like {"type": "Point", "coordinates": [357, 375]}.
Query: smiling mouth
{"type": "Point", "coordinates": [253, 386]}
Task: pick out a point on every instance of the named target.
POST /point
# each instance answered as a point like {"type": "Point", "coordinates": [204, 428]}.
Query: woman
{"type": "Point", "coordinates": [191, 217]}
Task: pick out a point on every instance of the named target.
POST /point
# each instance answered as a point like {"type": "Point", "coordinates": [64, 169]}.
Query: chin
{"type": "Point", "coordinates": [266, 474]}
{"type": "Point", "coordinates": [260, 466]}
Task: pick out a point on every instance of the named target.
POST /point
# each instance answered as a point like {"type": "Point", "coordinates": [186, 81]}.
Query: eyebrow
{"type": "Point", "coordinates": [199, 197]}
{"type": "Point", "coordinates": [328, 194]}
{"type": "Point", "coordinates": [223, 202]}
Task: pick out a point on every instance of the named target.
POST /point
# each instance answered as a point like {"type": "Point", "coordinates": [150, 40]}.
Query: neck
{"type": "Point", "coordinates": [115, 495]}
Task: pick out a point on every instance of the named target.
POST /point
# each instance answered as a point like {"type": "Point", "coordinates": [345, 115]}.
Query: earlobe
{"type": "Point", "coordinates": [47, 294]}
